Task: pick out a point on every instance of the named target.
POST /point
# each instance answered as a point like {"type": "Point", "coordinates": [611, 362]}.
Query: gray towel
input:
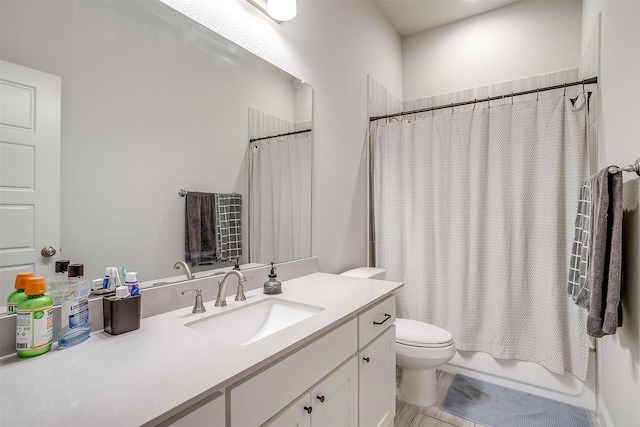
{"type": "Point", "coordinates": [228, 226]}
{"type": "Point", "coordinates": [578, 282]}
{"type": "Point", "coordinates": [605, 310]}
{"type": "Point", "coordinates": [200, 229]}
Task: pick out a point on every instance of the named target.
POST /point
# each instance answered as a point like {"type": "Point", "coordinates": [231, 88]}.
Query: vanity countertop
{"type": "Point", "coordinates": [146, 375]}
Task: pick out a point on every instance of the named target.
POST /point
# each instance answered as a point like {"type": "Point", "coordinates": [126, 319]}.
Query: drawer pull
{"type": "Point", "coordinates": [320, 398]}
{"type": "Point", "coordinates": [308, 409]}
{"type": "Point", "coordinates": [386, 317]}
{"type": "Point", "coordinates": [366, 359]}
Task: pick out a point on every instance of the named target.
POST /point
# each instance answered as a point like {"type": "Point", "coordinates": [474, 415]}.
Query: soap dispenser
{"type": "Point", "coordinates": [272, 286]}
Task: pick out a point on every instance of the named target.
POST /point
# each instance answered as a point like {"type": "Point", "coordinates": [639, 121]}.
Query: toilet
{"type": "Point", "coordinates": [420, 349]}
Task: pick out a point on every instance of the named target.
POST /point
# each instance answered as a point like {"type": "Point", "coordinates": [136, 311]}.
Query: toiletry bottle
{"type": "Point", "coordinates": [272, 286]}
{"type": "Point", "coordinates": [106, 282]}
{"type": "Point", "coordinates": [18, 295]}
{"type": "Point", "coordinates": [236, 266]}
{"type": "Point", "coordinates": [57, 285]}
{"type": "Point", "coordinates": [34, 321]}
{"type": "Point", "coordinates": [132, 282]}
{"type": "Point", "coordinates": [75, 325]}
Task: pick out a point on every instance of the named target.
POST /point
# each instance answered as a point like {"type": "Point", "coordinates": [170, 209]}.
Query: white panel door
{"type": "Point", "coordinates": [29, 172]}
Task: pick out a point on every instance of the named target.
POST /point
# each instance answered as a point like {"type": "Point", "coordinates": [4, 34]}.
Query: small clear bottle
{"type": "Point", "coordinates": [75, 326]}
{"type": "Point", "coordinates": [34, 321]}
{"type": "Point", "coordinates": [57, 285]}
{"type": "Point", "coordinates": [272, 286]}
{"type": "Point", "coordinates": [18, 295]}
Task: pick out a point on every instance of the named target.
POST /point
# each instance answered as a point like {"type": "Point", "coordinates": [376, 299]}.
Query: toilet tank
{"type": "Point", "coordinates": [366, 273]}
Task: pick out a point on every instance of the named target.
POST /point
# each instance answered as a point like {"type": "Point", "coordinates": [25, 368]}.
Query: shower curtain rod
{"type": "Point", "coordinates": [282, 134]}
{"type": "Point", "coordinates": [591, 80]}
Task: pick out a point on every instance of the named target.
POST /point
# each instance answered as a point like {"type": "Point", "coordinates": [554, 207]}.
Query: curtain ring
{"type": "Point", "coordinates": [474, 104]}
{"type": "Point", "coordinates": [511, 98]}
{"type": "Point", "coordinates": [452, 108]}
{"type": "Point", "coordinates": [537, 94]}
{"type": "Point", "coordinates": [565, 88]}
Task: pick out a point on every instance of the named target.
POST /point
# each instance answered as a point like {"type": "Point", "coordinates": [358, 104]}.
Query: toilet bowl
{"type": "Point", "coordinates": [420, 349]}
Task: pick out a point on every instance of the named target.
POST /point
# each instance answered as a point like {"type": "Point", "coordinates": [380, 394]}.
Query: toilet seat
{"type": "Point", "coordinates": [420, 334]}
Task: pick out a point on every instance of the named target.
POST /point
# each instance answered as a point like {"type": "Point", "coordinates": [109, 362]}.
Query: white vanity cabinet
{"type": "Point", "coordinates": [333, 402]}
{"type": "Point", "coordinates": [360, 392]}
{"type": "Point", "coordinates": [377, 361]}
{"type": "Point", "coordinates": [254, 401]}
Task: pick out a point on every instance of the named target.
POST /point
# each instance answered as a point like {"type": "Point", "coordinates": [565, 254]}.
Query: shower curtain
{"type": "Point", "coordinates": [280, 198]}
{"type": "Point", "coordinates": [474, 212]}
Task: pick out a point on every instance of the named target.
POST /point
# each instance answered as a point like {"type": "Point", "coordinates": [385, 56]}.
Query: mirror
{"type": "Point", "coordinates": [152, 103]}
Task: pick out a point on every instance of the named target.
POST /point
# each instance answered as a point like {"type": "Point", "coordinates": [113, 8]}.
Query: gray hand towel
{"type": "Point", "coordinates": [606, 254]}
{"type": "Point", "coordinates": [200, 230]}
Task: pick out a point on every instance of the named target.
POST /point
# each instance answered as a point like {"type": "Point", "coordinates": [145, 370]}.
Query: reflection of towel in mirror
{"type": "Point", "coordinates": [199, 227]}
{"type": "Point", "coordinates": [605, 311]}
{"type": "Point", "coordinates": [228, 226]}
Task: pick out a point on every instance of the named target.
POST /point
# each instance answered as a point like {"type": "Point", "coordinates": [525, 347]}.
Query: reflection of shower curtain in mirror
{"type": "Point", "coordinates": [280, 204]}
{"type": "Point", "coordinates": [474, 212]}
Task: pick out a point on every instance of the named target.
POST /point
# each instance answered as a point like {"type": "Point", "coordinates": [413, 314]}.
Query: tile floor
{"type": "Point", "coordinates": [431, 416]}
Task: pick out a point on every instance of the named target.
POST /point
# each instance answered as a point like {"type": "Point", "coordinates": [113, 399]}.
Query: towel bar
{"type": "Point", "coordinates": [631, 168]}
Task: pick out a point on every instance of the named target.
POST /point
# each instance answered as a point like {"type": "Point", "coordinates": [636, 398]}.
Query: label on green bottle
{"type": "Point", "coordinates": [34, 328]}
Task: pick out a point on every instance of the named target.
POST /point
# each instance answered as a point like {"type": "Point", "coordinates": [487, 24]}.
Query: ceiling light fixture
{"type": "Point", "coordinates": [278, 10]}
{"type": "Point", "coordinates": [282, 10]}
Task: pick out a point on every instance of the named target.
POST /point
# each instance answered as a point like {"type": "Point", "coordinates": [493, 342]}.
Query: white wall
{"type": "Point", "coordinates": [618, 373]}
{"type": "Point", "coordinates": [520, 40]}
{"type": "Point", "coordinates": [331, 45]}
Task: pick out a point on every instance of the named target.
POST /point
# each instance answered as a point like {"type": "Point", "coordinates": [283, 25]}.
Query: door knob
{"type": "Point", "coordinates": [308, 409]}
{"type": "Point", "coordinates": [48, 251]}
{"type": "Point", "coordinates": [366, 359]}
{"type": "Point", "coordinates": [320, 398]}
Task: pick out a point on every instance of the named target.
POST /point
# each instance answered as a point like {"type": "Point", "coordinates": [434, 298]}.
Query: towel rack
{"type": "Point", "coordinates": [631, 168]}
{"type": "Point", "coordinates": [182, 192]}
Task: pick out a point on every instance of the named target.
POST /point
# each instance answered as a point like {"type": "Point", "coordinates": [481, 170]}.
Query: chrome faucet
{"type": "Point", "coordinates": [184, 265]}
{"type": "Point", "coordinates": [221, 299]}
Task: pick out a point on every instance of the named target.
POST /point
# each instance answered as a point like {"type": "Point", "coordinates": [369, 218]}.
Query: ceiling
{"type": "Point", "coordinates": [413, 16]}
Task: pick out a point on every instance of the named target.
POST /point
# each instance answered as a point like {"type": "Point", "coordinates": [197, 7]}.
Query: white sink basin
{"type": "Point", "coordinates": [252, 322]}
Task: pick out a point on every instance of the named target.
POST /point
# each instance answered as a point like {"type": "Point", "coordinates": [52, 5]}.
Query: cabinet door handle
{"type": "Point", "coordinates": [308, 409]}
{"type": "Point", "coordinates": [366, 359]}
{"type": "Point", "coordinates": [386, 317]}
{"type": "Point", "coordinates": [320, 398]}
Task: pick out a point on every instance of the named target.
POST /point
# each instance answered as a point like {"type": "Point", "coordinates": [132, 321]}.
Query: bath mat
{"type": "Point", "coordinates": [495, 406]}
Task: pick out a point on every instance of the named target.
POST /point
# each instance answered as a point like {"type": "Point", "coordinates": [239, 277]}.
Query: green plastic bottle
{"type": "Point", "coordinates": [34, 321]}
{"type": "Point", "coordinates": [18, 295]}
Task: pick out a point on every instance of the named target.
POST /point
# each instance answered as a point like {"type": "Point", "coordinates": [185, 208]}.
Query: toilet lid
{"type": "Point", "coordinates": [421, 334]}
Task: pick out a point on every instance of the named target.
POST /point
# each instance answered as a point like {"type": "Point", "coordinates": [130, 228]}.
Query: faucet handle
{"type": "Point", "coordinates": [198, 306]}
{"type": "Point", "coordinates": [240, 293]}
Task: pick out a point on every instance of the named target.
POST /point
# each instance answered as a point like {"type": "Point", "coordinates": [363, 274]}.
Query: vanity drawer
{"type": "Point", "coordinates": [255, 401]}
{"type": "Point", "coordinates": [376, 320]}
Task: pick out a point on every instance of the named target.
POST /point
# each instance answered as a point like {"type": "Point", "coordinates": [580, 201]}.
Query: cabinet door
{"type": "Point", "coordinates": [377, 381]}
{"type": "Point", "coordinates": [335, 399]}
{"type": "Point", "coordinates": [298, 414]}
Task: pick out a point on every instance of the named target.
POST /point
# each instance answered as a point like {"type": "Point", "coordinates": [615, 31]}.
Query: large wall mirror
{"type": "Point", "coordinates": [152, 103]}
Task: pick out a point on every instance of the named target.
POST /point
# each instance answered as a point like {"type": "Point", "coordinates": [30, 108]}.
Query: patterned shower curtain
{"type": "Point", "coordinates": [280, 199]}
{"type": "Point", "coordinates": [474, 212]}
